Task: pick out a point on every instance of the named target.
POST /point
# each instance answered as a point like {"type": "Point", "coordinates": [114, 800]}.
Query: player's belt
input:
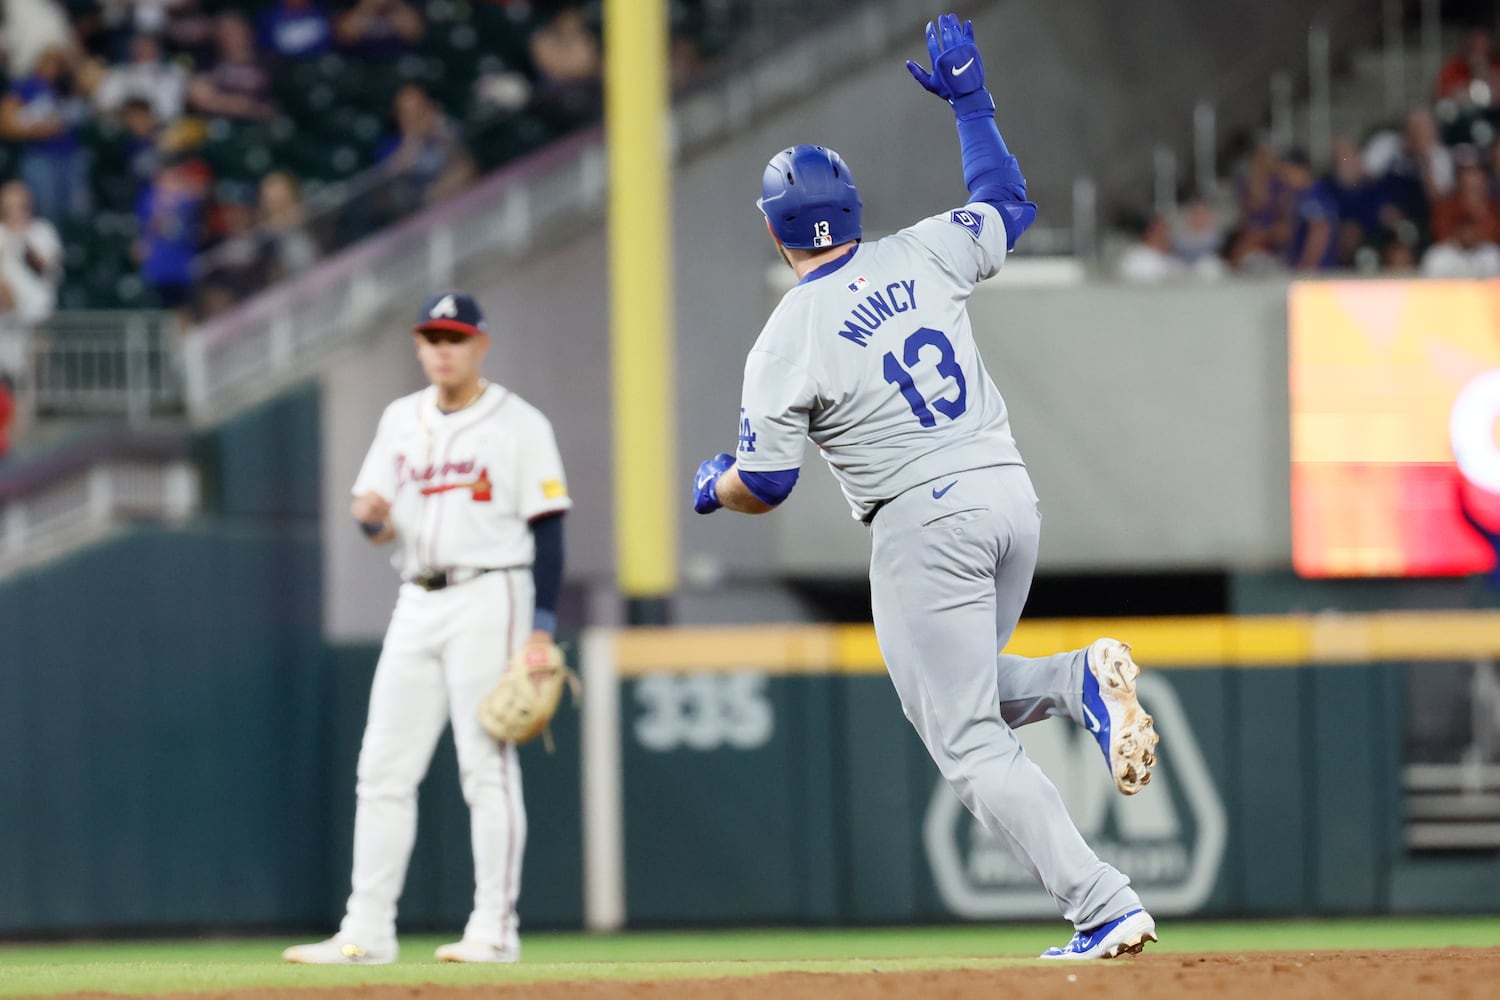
{"type": "Point", "coordinates": [445, 578]}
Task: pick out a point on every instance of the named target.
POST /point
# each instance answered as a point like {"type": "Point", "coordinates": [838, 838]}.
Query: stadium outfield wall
{"type": "Point", "coordinates": [178, 738]}
{"type": "Point", "coordinates": [188, 762]}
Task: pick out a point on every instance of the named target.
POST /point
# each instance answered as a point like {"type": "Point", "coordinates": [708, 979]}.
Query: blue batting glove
{"type": "Point", "coordinates": [706, 483]}
{"type": "Point", "coordinates": [957, 69]}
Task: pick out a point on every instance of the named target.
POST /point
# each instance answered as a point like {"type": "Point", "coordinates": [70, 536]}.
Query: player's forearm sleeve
{"type": "Point", "coordinates": [770, 488]}
{"type": "Point", "coordinates": [547, 570]}
{"type": "Point", "coordinates": [991, 173]}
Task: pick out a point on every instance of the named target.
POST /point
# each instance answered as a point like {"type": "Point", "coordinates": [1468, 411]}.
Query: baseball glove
{"type": "Point", "coordinates": [522, 705]}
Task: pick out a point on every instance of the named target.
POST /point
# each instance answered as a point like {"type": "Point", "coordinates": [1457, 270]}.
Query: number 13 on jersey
{"type": "Point", "coordinates": [898, 372]}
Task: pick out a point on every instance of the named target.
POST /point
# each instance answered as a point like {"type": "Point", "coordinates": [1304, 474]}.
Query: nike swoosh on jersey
{"type": "Point", "coordinates": [937, 494]}
{"type": "Point", "coordinates": [960, 70]}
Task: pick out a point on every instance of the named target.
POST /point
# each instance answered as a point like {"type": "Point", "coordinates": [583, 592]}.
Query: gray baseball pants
{"type": "Point", "coordinates": [949, 575]}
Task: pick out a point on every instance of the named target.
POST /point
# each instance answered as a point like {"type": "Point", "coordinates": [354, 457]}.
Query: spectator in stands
{"type": "Point", "coordinates": [1247, 255]}
{"type": "Point", "coordinates": [292, 248]}
{"type": "Point", "coordinates": [190, 31]}
{"type": "Point", "coordinates": [1313, 220]}
{"type": "Point", "coordinates": [1196, 236]}
{"type": "Point", "coordinates": [7, 411]}
{"type": "Point", "coordinates": [1396, 254]}
{"type": "Point", "coordinates": [238, 85]}
{"type": "Point", "coordinates": [567, 60]}
{"type": "Point", "coordinates": [426, 159]}
{"type": "Point", "coordinates": [1466, 254]}
{"type": "Point", "coordinates": [170, 214]}
{"type": "Point", "coordinates": [91, 35]}
{"type": "Point", "coordinates": [32, 28]}
{"type": "Point", "coordinates": [1414, 170]}
{"type": "Point", "coordinates": [145, 76]}
{"type": "Point", "coordinates": [1471, 75]}
{"type": "Point", "coordinates": [1149, 259]}
{"type": "Point", "coordinates": [30, 269]}
{"type": "Point", "coordinates": [140, 137]}
{"type": "Point", "coordinates": [1263, 198]}
{"type": "Point", "coordinates": [1356, 199]}
{"type": "Point", "coordinates": [295, 29]}
{"type": "Point", "coordinates": [41, 114]}
{"type": "Point", "coordinates": [379, 29]}
{"type": "Point", "coordinates": [239, 264]}
{"type": "Point", "coordinates": [1470, 200]}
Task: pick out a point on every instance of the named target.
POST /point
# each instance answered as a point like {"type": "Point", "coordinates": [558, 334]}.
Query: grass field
{"type": "Point", "coordinates": [178, 966]}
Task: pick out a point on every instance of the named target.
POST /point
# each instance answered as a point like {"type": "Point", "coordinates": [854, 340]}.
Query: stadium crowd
{"type": "Point", "coordinates": [155, 130]}
{"type": "Point", "coordinates": [1416, 197]}
{"type": "Point", "coordinates": [183, 154]}
{"type": "Point", "coordinates": [170, 153]}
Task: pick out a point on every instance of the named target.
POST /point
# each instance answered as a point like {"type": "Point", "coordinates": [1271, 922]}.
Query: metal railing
{"type": "Point", "coordinates": [91, 363]}
{"type": "Point", "coordinates": [1189, 153]}
{"type": "Point", "coordinates": [1326, 26]}
{"type": "Point", "coordinates": [91, 504]}
{"type": "Point", "coordinates": [1319, 89]}
{"type": "Point", "coordinates": [1160, 172]}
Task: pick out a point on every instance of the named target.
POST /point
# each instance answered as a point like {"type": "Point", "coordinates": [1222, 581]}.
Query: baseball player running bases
{"type": "Point", "coordinates": [464, 477]}
{"type": "Point", "coordinates": [872, 356]}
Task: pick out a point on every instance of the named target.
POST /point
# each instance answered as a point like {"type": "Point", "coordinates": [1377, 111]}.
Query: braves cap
{"type": "Point", "coordinates": [452, 311]}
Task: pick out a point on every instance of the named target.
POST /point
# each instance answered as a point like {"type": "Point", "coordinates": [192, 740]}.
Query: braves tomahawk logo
{"type": "Point", "coordinates": [480, 486]}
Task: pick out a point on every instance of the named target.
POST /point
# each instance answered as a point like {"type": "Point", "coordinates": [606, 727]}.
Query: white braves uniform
{"type": "Point", "coordinates": [872, 356]}
{"type": "Point", "coordinates": [463, 487]}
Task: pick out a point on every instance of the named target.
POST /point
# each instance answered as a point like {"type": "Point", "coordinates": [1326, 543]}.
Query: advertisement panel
{"type": "Point", "coordinates": [1395, 427]}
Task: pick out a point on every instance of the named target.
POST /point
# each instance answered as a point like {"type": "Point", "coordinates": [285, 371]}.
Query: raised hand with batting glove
{"type": "Point", "coordinates": [992, 175]}
{"type": "Point", "coordinates": [957, 70]}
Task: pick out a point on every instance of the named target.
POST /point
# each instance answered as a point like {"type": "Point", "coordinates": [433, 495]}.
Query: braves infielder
{"type": "Point", "coordinates": [465, 478]}
{"type": "Point", "coordinates": [871, 355]}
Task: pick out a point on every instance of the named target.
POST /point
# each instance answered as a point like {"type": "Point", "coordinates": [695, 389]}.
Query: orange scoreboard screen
{"type": "Point", "coordinates": [1395, 396]}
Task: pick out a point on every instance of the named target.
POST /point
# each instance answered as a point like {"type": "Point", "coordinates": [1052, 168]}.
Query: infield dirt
{"type": "Point", "coordinates": [1453, 974]}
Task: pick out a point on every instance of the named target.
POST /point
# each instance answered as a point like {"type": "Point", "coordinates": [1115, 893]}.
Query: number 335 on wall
{"type": "Point", "coordinates": [703, 712]}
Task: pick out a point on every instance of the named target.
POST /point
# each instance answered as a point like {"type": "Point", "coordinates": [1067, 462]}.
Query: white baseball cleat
{"type": "Point", "coordinates": [1126, 734]}
{"type": "Point", "coordinates": [338, 951]}
{"type": "Point", "coordinates": [1125, 935]}
{"type": "Point", "coordinates": [469, 950]}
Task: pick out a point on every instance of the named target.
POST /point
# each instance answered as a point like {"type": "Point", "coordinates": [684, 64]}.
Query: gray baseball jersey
{"type": "Point", "coordinates": [873, 358]}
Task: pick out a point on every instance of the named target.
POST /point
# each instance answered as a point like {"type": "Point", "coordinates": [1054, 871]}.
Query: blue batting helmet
{"type": "Point", "coordinates": [808, 197]}
{"type": "Point", "coordinates": [453, 312]}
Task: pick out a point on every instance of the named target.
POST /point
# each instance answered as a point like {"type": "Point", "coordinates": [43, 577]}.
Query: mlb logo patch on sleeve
{"type": "Point", "coordinates": [553, 488]}
{"type": "Point", "coordinates": [972, 221]}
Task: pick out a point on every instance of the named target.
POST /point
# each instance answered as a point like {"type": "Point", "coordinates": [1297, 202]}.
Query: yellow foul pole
{"type": "Point", "coordinates": [637, 121]}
